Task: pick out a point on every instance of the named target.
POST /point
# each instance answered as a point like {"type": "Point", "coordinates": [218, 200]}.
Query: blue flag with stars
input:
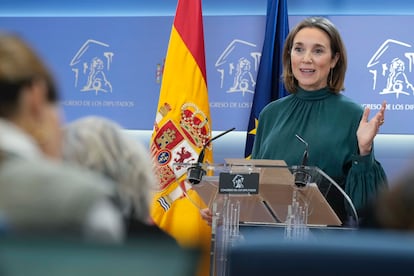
{"type": "Point", "coordinates": [269, 86]}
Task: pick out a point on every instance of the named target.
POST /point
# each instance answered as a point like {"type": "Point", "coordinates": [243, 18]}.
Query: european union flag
{"type": "Point", "coordinates": [269, 86]}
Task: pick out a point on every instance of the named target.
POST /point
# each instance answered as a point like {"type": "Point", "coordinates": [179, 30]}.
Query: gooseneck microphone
{"type": "Point", "coordinates": [196, 171]}
{"type": "Point", "coordinates": [305, 153]}
{"type": "Point", "coordinates": [302, 176]}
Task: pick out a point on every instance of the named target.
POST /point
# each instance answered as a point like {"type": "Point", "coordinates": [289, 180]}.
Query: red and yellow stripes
{"type": "Point", "coordinates": [181, 128]}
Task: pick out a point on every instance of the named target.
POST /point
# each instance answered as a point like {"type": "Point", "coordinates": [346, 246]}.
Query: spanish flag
{"type": "Point", "coordinates": [181, 129]}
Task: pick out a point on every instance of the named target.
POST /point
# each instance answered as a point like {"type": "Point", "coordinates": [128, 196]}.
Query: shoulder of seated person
{"type": "Point", "coordinates": [73, 196]}
{"type": "Point", "coordinates": [58, 174]}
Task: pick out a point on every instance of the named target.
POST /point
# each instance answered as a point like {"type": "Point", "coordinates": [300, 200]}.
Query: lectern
{"type": "Point", "coordinates": [263, 192]}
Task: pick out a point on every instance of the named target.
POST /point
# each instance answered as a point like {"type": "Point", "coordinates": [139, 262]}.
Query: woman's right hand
{"type": "Point", "coordinates": [207, 215]}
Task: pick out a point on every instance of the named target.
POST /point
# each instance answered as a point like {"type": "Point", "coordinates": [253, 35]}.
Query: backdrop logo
{"type": "Point", "coordinates": [392, 68]}
{"type": "Point", "coordinates": [238, 65]}
{"type": "Point", "coordinates": [91, 65]}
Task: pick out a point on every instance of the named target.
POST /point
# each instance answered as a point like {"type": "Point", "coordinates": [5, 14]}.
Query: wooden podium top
{"type": "Point", "coordinates": [276, 187]}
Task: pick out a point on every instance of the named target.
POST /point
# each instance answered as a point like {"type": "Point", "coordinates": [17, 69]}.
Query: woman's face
{"type": "Point", "coordinates": [311, 58]}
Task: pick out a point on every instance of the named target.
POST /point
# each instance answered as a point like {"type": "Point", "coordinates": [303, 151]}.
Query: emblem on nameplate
{"type": "Point", "coordinates": [239, 183]}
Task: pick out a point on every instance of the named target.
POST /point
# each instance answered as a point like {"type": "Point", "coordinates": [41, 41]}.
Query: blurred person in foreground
{"type": "Point", "coordinates": [393, 209]}
{"type": "Point", "coordinates": [103, 146]}
{"type": "Point", "coordinates": [39, 195]}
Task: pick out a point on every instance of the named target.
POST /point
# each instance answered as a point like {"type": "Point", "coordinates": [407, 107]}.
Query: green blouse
{"type": "Point", "coordinates": [328, 123]}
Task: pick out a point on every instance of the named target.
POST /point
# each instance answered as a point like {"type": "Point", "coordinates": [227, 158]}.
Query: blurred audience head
{"type": "Point", "coordinates": [103, 146]}
{"type": "Point", "coordinates": [37, 196]}
{"type": "Point", "coordinates": [28, 95]}
{"type": "Point", "coordinates": [394, 208]}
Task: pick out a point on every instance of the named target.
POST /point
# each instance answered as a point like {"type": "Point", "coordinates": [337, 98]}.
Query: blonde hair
{"type": "Point", "coordinates": [20, 65]}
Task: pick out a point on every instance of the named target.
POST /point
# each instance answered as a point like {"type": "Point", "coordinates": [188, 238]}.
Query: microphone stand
{"type": "Point", "coordinates": [302, 177]}
{"type": "Point", "coordinates": [196, 172]}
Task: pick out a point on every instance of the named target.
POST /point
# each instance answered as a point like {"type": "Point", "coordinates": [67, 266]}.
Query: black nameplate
{"type": "Point", "coordinates": [239, 183]}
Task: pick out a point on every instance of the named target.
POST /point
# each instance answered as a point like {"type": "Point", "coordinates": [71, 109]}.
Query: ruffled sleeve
{"type": "Point", "coordinates": [365, 179]}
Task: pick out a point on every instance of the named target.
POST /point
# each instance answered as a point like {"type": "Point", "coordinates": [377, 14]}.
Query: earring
{"type": "Point", "coordinates": [330, 77]}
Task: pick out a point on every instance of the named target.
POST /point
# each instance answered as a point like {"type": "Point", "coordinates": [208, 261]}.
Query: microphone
{"type": "Point", "coordinates": [302, 177]}
{"type": "Point", "coordinates": [305, 153]}
{"type": "Point", "coordinates": [196, 172]}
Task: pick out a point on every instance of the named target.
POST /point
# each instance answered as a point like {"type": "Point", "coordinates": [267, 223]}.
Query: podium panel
{"type": "Point", "coordinates": [290, 197]}
{"type": "Point", "coordinates": [276, 192]}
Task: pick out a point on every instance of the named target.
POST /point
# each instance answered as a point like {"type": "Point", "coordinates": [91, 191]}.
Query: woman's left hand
{"type": "Point", "coordinates": [367, 130]}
